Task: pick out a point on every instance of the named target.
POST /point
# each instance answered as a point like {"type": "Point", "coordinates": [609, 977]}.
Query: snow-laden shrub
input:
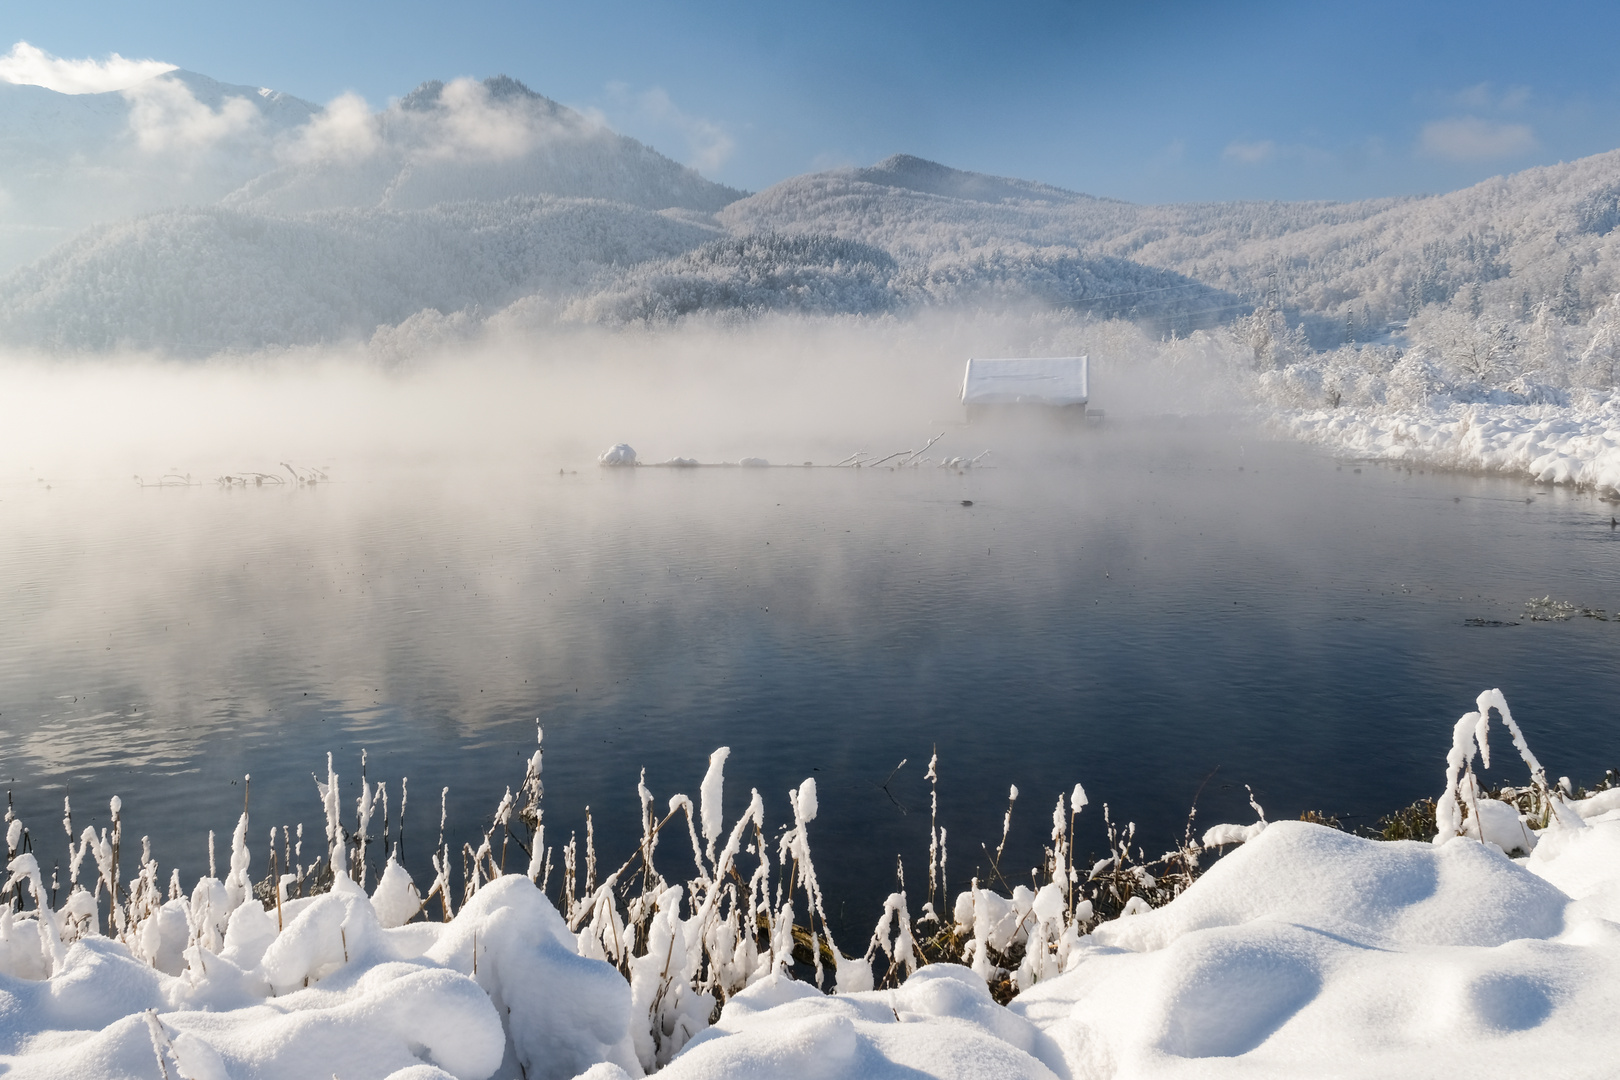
{"type": "Point", "coordinates": [1414, 381]}
{"type": "Point", "coordinates": [1296, 386]}
{"type": "Point", "coordinates": [1462, 809]}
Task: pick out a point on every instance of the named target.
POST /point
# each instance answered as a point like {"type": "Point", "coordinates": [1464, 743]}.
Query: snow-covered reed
{"type": "Point", "coordinates": [749, 905]}
{"type": "Point", "coordinates": [747, 909]}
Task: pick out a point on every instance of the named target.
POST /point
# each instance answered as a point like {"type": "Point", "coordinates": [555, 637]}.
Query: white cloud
{"type": "Point", "coordinates": [346, 130]}
{"type": "Point", "coordinates": [1250, 153]}
{"type": "Point", "coordinates": [708, 145]}
{"type": "Point", "coordinates": [1468, 138]}
{"type": "Point", "coordinates": [1473, 97]}
{"type": "Point", "coordinates": [464, 124]}
{"type": "Point", "coordinates": [28, 65]}
{"type": "Point", "coordinates": [165, 115]}
{"type": "Point", "coordinates": [472, 124]}
{"type": "Point", "coordinates": [1483, 97]}
{"type": "Point", "coordinates": [1514, 98]}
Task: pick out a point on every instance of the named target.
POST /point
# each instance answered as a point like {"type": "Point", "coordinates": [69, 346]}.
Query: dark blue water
{"type": "Point", "coordinates": [1132, 612]}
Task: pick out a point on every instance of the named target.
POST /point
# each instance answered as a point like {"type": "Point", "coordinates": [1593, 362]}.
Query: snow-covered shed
{"type": "Point", "coordinates": [1044, 382]}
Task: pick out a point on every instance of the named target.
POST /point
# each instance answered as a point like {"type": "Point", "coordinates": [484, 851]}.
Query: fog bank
{"type": "Point", "coordinates": [788, 389]}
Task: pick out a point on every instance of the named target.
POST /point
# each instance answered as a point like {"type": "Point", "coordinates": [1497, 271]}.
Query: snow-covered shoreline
{"type": "Point", "coordinates": [1307, 951]}
{"type": "Point", "coordinates": [1558, 444]}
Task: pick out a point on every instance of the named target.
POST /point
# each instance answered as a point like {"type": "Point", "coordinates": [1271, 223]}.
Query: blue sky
{"type": "Point", "coordinates": [1160, 100]}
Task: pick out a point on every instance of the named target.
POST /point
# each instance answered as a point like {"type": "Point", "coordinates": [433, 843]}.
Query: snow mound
{"type": "Point", "coordinates": [1307, 952]}
{"type": "Point", "coordinates": [618, 454]}
{"type": "Point", "coordinates": [942, 1022]}
{"type": "Point", "coordinates": [1392, 894]}
{"type": "Point", "coordinates": [1311, 952]}
{"type": "Point", "coordinates": [335, 993]}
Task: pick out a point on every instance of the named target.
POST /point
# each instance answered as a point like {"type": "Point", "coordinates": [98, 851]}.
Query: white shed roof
{"type": "Point", "coordinates": [1046, 380]}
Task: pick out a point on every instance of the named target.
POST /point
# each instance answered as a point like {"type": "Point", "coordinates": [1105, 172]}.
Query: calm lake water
{"type": "Point", "coordinates": [1130, 611]}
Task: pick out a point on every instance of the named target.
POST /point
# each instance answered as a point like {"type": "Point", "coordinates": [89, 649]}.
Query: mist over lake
{"type": "Point", "coordinates": [1163, 609]}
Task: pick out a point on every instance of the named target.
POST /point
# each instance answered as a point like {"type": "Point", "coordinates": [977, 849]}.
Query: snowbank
{"type": "Point", "coordinates": [1568, 444]}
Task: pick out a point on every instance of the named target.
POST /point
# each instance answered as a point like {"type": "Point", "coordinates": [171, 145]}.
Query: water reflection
{"type": "Point", "coordinates": [1139, 615]}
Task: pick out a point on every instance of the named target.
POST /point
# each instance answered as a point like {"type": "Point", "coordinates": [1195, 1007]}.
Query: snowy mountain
{"type": "Point", "coordinates": [232, 217]}
{"type": "Point", "coordinates": [71, 160]}
{"type": "Point", "coordinates": [68, 161]}
{"type": "Point", "coordinates": [1516, 241]}
{"type": "Point", "coordinates": [218, 278]}
{"type": "Point", "coordinates": [468, 140]}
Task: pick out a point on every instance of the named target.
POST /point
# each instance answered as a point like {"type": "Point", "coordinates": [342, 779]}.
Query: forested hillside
{"type": "Point", "coordinates": [1343, 269]}
{"type": "Point", "coordinates": [198, 281]}
{"type": "Point", "coordinates": [68, 161]}
{"type": "Point", "coordinates": [304, 225]}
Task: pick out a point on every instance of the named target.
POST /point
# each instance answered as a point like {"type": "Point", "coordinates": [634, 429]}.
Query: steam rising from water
{"type": "Point", "coordinates": [1142, 609]}
{"type": "Point", "coordinates": [785, 389]}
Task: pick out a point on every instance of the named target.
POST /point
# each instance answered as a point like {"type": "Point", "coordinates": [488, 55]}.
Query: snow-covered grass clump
{"type": "Point", "coordinates": [1306, 951]}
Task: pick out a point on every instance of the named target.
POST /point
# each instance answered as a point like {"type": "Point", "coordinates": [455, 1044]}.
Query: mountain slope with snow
{"type": "Point", "coordinates": [1542, 234]}
{"type": "Point", "coordinates": [463, 141]}
{"type": "Point", "coordinates": [376, 199]}
{"type": "Point", "coordinates": [192, 282]}
{"type": "Point", "coordinates": [69, 161]}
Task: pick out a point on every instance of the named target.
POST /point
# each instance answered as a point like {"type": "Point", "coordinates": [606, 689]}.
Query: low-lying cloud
{"type": "Point", "coordinates": [165, 115]}
{"type": "Point", "coordinates": [29, 65]}
{"type": "Point", "coordinates": [1485, 97]}
{"type": "Point", "coordinates": [786, 388]}
{"type": "Point", "coordinates": [708, 145]}
{"type": "Point", "coordinates": [1469, 138]}
{"type": "Point", "coordinates": [464, 123]}
{"type": "Point", "coordinates": [346, 131]}
{"type": "Point", "coordinates": [1250, 153]}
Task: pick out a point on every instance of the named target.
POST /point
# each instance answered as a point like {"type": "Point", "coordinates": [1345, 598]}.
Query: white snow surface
{"type": "Point", "coordinates": [1305, 952]}
{"type": "Point", "coordinates": [1558, 444]}
{"type": "Point", "coordinates": [1308, 952]}
{"type": "Point", "coordinates": [331, 994]}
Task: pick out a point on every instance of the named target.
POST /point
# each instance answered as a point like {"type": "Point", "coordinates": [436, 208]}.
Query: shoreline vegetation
{"type": "Point", "coordinates": [663, 952]}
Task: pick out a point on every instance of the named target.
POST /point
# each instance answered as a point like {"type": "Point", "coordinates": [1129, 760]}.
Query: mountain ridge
{"type": "Point", "coordinates": [660, 241]}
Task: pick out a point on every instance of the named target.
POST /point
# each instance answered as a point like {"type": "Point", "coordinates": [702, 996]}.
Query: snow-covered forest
{"type": "Point", "coordinates": [297, 225]}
